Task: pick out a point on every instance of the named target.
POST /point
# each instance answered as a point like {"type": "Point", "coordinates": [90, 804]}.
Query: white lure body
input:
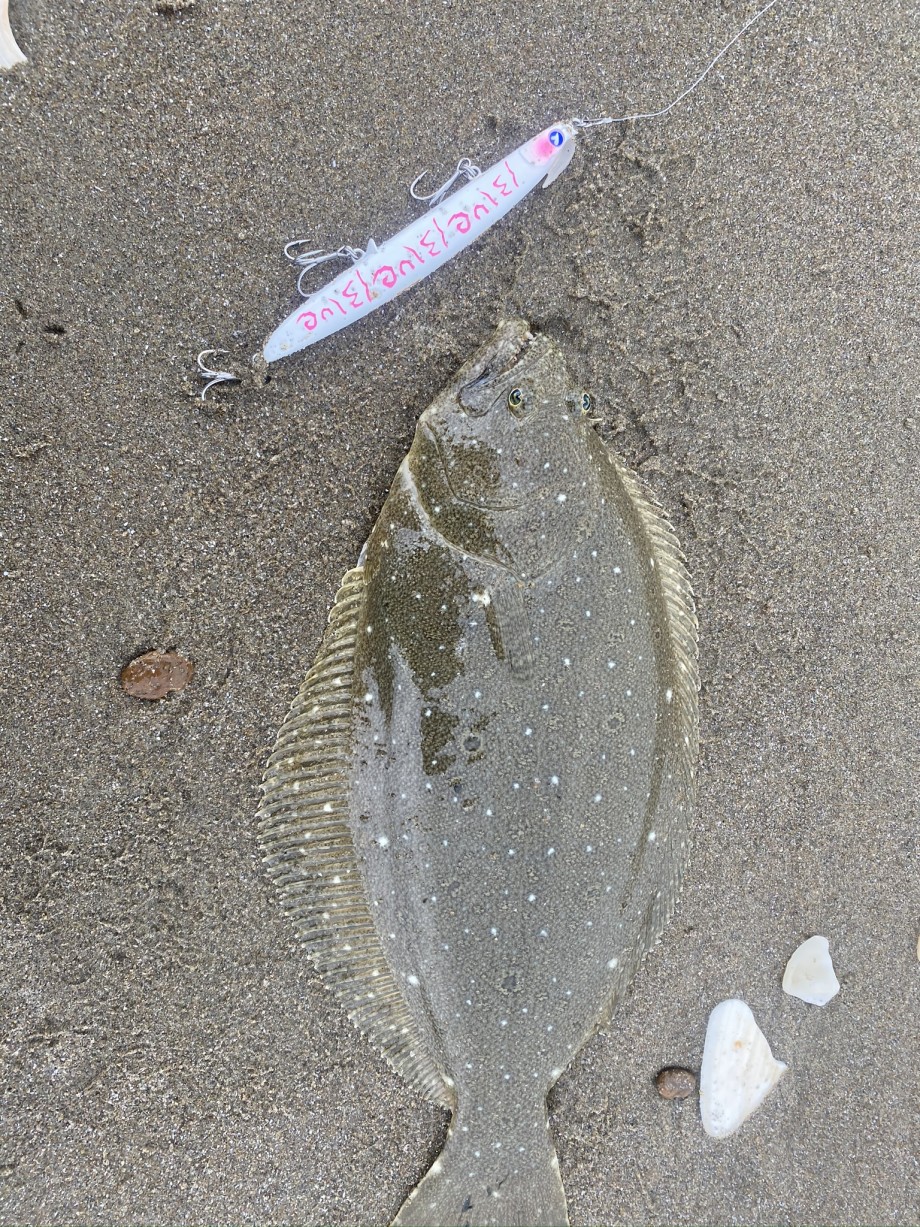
{"type": "Point", "coordinates": [425, 244]}
{"type": "Point", "coordinates": [10, 52]}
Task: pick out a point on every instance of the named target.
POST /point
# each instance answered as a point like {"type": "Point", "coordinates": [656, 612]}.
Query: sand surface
{"type": "Point", "coordinates": [736, 285]}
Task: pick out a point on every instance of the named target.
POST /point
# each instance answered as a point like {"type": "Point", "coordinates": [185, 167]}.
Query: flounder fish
{"type": "Point", "coordinates": [476, 809]}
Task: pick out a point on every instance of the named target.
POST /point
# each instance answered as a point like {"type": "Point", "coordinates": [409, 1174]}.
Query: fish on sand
{"type": "Point", "coordinates": [476, 809]}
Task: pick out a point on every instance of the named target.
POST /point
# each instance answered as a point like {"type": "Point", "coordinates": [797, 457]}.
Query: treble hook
{"type": "Point", "coordinates": [466, 169]}
{"type": "Point", "coordinates": [308, 260]}
{"type": "Point", "coordinates": [214, 377]}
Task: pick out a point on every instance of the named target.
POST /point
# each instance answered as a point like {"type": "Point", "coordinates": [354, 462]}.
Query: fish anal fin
{"type": "Point", "coordinates": [308, 851]}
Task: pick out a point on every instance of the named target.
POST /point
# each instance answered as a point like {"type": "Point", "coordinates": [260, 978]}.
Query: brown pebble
{"type": "Point", "coordinates": [155, 674]}
{"type": "Point", "coordinates": [675, 1083]}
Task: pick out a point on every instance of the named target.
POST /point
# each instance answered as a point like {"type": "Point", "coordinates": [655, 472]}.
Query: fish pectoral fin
{"type": "Point", "coordinates": [509, 628]}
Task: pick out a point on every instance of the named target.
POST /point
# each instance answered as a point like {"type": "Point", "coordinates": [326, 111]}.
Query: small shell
{"type": "Point", "coordinates": [10, 53]}
{"type": "Point", "coordinates": [155, 674]}
{"type": "Point", "coordinates": [738, 1071]}
{"type": "Point", "coordinates": [810, 973]}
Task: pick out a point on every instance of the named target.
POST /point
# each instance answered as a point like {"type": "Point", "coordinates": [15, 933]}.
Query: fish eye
{"type": "Point", "coordinates": [515, 398]}
{"type": "Point", "coordinates": [587, 402]}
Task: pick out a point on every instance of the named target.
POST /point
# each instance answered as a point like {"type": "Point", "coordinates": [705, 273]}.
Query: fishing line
{"type": "Point", "coordinates": [622, 119]}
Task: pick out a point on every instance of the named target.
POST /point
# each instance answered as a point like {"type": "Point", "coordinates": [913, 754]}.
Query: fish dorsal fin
{"type": "Point", "coordinates": [674, 581]}
{"type": "Point", "coordinates": [309, 852]}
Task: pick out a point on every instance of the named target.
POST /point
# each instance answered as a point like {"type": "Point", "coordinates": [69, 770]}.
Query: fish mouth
{"type": "Point", "coordinates": [512, 347]}
{"type": "Point", "coordinates": [512, 344]}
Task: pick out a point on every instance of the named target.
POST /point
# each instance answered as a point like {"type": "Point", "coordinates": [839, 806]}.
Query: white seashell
{"type": "Point", "coordinates": [738, 1070]}
{"type": "Point", "coordinates": [810, 973]}
{"type": "Point", "coordinates": [10, 54]}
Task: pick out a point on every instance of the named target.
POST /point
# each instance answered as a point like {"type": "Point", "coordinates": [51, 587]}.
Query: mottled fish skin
{"type": "Point", "coordinates": [512, 771]}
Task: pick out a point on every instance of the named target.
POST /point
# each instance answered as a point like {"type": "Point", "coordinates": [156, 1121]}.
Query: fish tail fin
{"type": "Point", "coordinates": [506, 1176]}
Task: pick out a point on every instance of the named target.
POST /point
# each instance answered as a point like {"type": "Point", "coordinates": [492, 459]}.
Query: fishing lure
{"type": "Point", "coordinates": [381, 273]}
{"type": "Point", "coordinates": [10, 51]}
{"type": "Point", "coordinates": [456, 218]}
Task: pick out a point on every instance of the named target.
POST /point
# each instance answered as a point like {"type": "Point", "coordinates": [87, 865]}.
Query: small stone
{"type": "Point", "coordinates": [675, 1083]}
{"type": "Point", "coordinates": [154, 674]}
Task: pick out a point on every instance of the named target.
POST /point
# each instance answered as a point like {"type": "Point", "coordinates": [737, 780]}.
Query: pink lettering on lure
{"type": "Point", "coordinates": [350, 294]}
{"type": "Point", "coordinates": [429, 243]}
{"type": "Point", "coordinates": [367, 288]}
{"type": "Point", "coordinates": [387, 275]}
{"type": "Point", "coordinates": [501, 185]}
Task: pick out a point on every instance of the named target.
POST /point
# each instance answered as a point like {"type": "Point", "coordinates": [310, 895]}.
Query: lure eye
{"type": "Point", "coordinates": [587, 402]}
{"type": "Point", "coordinates": [515, 398]}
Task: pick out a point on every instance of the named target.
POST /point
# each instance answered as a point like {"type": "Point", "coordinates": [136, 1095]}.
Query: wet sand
{"type": "Point", "coordinates": [735, 286]}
